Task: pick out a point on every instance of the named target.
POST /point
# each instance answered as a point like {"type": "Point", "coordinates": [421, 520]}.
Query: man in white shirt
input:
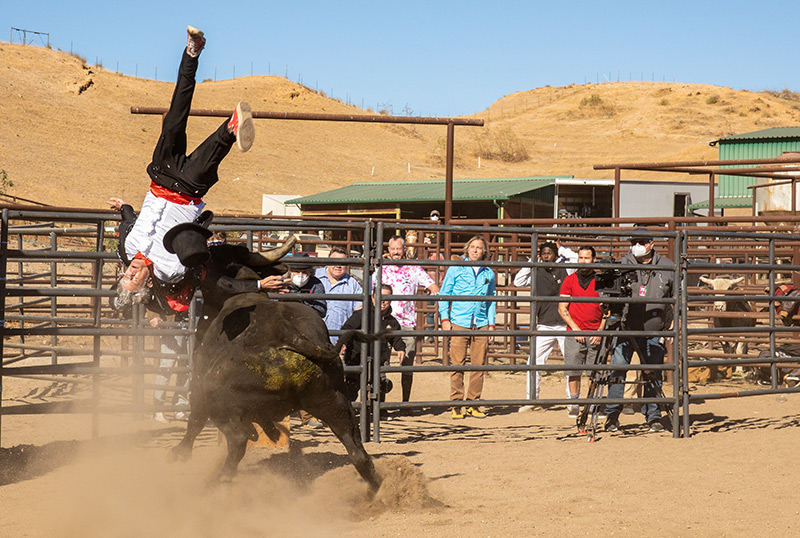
{"type": "Point", "coordinates": [178, 183]}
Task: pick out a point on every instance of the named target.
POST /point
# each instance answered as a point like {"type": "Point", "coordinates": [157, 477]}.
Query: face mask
{"type": "Point", "coordinates": [639, 251]}
{"type": "Point", "coordinates": [300, 279]}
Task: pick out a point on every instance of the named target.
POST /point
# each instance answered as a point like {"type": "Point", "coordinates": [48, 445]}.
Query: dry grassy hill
{"type": "Point", "coordinates": [68, 137]}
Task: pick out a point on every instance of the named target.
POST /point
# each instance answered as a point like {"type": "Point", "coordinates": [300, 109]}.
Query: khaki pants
{"type": "Point", "coordinates": [478, 347]}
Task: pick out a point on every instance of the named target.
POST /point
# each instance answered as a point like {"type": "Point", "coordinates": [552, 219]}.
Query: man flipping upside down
{"type": "Point", "coordinates": [178, 184]}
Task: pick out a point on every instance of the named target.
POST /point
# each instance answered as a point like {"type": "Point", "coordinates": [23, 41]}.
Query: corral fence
{"type": "Point", "coordinates": [72, 353]}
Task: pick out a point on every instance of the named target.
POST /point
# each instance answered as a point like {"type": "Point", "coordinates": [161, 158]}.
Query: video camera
{"type": "Point", "coordinates": [614, 282]}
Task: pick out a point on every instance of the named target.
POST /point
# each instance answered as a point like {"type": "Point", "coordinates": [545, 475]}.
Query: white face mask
{"type": "Point", "coordinates": [640, 251]}
{"type": "Point", "coordinates": [300, 279]}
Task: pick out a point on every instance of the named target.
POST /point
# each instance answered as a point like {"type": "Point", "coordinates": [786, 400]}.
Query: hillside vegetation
{"type": "Point", "coordinates": [68, 137]}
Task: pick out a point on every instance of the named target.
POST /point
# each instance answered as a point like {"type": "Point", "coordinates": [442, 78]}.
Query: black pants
{"type": "Point", "coordinates": [171, 168]}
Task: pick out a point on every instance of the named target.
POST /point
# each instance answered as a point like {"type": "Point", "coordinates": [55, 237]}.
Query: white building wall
{"type": "Point", "coordinates": [276, 204]}
{"type": "Point", "coordinates": [656, 198]}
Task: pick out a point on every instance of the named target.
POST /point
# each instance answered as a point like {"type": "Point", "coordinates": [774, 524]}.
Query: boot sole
{"type": "Point", "coordinates": [246, 132]}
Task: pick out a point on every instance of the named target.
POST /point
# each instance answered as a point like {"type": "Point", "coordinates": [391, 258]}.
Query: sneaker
{"type": "Point", "coordinates": [573, 411]}
{"type": "Point", "coordinates": [473, 412]}
{"type": "Point", "coordinates": [656, 426]}
{"type": "Point", "coordinates": [457, 413]}
{"type": "Point", "coordinates": [159, 417]}
{"type": "Point", "coordinates": [314, 423]}
{"type": "Point", "coordinates": [180, 415]}
{"type": "Point", "coordinates": [241, 125]}
{"type": "Point", "coordinates": [612, 425]}
{"type": "Point", "coordinates": [194, 42]}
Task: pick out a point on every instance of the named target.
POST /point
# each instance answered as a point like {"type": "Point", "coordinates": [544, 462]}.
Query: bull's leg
{"type": "Point", "coordinates": [269, 428]}
{"type": "Point", "coordinates": [334, 409]}
{"type": "Point", "coordinates": [197, 421]}
{"type": "Point", "coordinates": [236, 435]}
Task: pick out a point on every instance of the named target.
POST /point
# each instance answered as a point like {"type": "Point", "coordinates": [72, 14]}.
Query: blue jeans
{"type": "Point", "coordinates": [653, 353]}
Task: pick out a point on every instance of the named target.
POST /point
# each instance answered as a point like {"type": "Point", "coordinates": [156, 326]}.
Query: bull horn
{"type": "Point", "coordinates": [706, 280]}
{"type": "Point", "coordinates": [279, 252]}
{"type": "Point", "coordinates": [273, 255]}
{"type": "Point", "coordinates": [738, 280]}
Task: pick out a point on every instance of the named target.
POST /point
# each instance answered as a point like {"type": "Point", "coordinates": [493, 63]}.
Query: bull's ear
{"type": "Point", "coordinates": [737, 281]}
{"type": "Point", "coordinates": [707, 281]}
{"type": "Point", "coordinates": [245, 273]}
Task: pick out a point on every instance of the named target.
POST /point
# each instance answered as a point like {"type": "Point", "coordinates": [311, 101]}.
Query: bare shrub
{"type": "Point", "coordinates": [501, 145]}
{"type": "Point", "coordinates": [594, 100]}
{"type": "Point", "coordinates": [5, 183]}
{"type": "Point", "coordinates": [712, 100]}
{"type": "Point", "coordinates": [596, 104]}
{"type": "Point", "coordinates": [786, 95]}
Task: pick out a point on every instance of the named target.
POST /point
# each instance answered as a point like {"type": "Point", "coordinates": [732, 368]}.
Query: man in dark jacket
{"type": "Point", "coordinates": [352, 345]}
{"type": "Point", "coordinates": [304, 281]}
{"type": "Point", "coordinates": [655, 284]}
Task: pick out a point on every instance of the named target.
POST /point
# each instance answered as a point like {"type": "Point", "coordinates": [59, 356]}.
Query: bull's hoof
{"type": "Point", "coordinates": [180, 453]}
{"type": "Point", "coordinates": [222, 478]}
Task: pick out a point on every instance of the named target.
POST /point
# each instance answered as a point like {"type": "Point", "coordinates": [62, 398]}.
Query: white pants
{"type": "Point", "coordinates": [544, 346]}
{"type": "Point", "coordinates": [169, 347]}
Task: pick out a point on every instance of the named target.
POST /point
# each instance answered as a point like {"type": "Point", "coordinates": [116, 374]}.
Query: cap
{"type": "Point", "coordinates": [642, 234]}
{"type": "Point", "coordinates": [295, 263]}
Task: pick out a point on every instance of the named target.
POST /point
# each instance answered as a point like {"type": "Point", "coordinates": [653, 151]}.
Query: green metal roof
{"type": "Point", "coordinates": [725, 203]}
{"type": "Point", "coordinates": [431, 190]}
{"type": "Point", "coordinates": [773, 133]}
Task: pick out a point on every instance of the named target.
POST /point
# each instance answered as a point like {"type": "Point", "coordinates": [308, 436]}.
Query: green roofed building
{"type": "Point", "coordinates": [733, 191]}
{"type": "Point", "coordinates": [493, 198]}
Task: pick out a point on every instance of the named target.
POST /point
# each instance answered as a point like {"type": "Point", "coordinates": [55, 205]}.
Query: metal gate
{"type": "Point", "coordinates": [57, 269]}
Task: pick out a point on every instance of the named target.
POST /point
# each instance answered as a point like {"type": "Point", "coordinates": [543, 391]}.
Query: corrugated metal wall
{"type": "Point", "coordinates": [735, 186]}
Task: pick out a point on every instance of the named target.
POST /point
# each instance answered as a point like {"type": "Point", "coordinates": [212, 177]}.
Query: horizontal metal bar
{"type": "Point", "coordinates": [307, 116]}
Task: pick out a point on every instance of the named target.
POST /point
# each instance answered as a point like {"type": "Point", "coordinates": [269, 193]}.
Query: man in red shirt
{"type": "Point", "coordinates": [580, 317]}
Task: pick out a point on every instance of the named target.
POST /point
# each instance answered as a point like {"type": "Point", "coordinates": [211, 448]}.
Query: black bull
{"type": "Point", "coordinates": [258, 361]}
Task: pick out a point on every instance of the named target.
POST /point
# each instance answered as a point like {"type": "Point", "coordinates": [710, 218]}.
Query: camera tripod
{"type": "Point", "coordinates": [599, 380]}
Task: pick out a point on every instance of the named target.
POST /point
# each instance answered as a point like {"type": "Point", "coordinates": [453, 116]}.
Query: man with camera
{"type": "Point", "coordinates": [642, 316]}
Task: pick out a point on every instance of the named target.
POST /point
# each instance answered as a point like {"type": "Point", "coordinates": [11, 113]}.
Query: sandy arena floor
{"type": "Point", "coordinates": [511, 474]}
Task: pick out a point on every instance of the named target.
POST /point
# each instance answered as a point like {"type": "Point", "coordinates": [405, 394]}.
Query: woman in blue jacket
{"type": "Point", "coordinates": [464, 315]}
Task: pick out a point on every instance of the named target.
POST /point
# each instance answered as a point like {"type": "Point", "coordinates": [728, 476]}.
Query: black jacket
{"type": "Point", "coordinates": [314, 285]}
{"type": "Point", "coordinates": [352, 345]}
{"type": "Point", "coordinates": [548, 284]}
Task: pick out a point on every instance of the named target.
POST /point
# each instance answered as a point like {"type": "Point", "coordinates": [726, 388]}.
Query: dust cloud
{"type": "Point", "coordinates": [128, 492]}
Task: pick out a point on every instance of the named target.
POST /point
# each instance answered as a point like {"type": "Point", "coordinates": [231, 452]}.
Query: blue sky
{"type": "Point", "coordinates": [431, 58]}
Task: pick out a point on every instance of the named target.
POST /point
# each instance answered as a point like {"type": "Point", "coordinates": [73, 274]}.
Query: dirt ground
{"type": "Point", "coordinates": [510, 474]}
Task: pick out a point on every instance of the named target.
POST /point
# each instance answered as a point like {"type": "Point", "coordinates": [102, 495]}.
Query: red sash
{"type": "Point", "coordinates": [172, 196]}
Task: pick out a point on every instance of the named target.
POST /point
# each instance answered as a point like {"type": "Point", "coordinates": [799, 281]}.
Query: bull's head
{"type": "Point", "coordinates": [721, 284]}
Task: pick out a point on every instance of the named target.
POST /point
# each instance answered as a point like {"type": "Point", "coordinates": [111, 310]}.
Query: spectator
{"type": "Point", "coordinates": [580, 317]}
{"type": "Point", "coordinates": [463, 315]}
{"type": "Point", "coordinates": [171, 348]}
{"type": "Point", "coordinates": [548, 284]}
{"type": "Point", "coordinates": [336, 279]}
{"type": "Point", "coordinates": [654, 284]}
{"type": "Point", "coordinates": [352, 346]}
{"type": "Point", "coordinates": [304, 282]}
{"type": "Point", "coordinates": [405, 280]}
{"type": "Point", "coordinates": [217, 239]}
